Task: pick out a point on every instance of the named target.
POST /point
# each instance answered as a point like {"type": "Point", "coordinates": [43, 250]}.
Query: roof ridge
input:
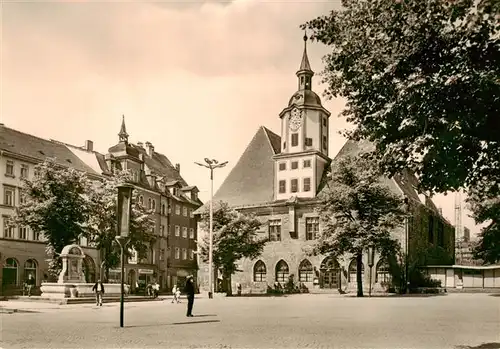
{"type": "Point", "coordinates": [29, 134]}
{"type": "Point", "coordinates": [267, 131]}
{"type": "Point", "coordinates": [75, 146]}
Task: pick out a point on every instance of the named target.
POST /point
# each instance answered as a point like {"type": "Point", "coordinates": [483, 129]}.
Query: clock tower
{"type": "Point", "coordinates": [304, 140]}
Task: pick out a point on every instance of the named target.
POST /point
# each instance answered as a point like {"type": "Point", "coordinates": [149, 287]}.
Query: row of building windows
{"type": "Point", "coordinates": [10, 170]}
{"type": "Point", "coordinates": [312, 229]}
{"type": "Point", "coordinates": [294, 185]}
{"type": "Point", "coordinates": [294, 165]}
{"type": "Point", "coordinates": [308, 141]}
{"type": "Point", "coordinates": [178, 230]}
{"type": "Point", "coordinates": [179, 210]}
{"type": "Point", "coordinates": [306, 271]}
{"type": "Point", "coordinates": [185, 253]}
{"type": "Point", "coordinates": [22, 233]}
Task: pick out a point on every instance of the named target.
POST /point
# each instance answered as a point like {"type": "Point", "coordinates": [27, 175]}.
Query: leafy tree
{"type": "Point", "coordinates": [484, 204]}
{"type": "Point", "coordinates": [103, 201]}
{"type": "Point", "coordinates": [55, 204]}
{"type": "Point", "coordinates": [358, 211]}
{"type": "Point", "coordinates": [421, 81]}
{"type": "Point", "coordinates": [234, 238]}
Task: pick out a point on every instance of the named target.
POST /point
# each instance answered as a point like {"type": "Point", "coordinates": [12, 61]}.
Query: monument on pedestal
{"type": "Point", "coordinates": [71, 282]}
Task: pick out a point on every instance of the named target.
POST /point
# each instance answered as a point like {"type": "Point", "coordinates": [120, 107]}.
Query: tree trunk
{"type": "Point", "coordinates": [227, 284]}
{"type": "Point", "coordinates": [359, 264]}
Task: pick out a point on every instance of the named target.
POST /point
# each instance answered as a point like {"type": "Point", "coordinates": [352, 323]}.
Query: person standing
{"type": "Point", "coordinates": [99, 291]}
{"type": "Point", "coordinates": [174, 294]}
{"type": "Point", "coordinates": [189, 290]}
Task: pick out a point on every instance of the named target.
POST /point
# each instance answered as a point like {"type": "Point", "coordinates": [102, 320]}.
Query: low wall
{"type": "Point", "coordinates": [74, 290]}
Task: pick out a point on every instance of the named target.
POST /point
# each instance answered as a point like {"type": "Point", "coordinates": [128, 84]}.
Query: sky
{"type": "Point", "coordinates": [196, 79]}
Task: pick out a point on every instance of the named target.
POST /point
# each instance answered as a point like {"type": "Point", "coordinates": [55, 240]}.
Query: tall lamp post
{"type": "Point", "coordinates": [371, 257]}
{"type": "Point", "coordinates": [212, 165]}
{"type": "Point", "coordinates": [407, 243]}
{"type": "Point", "coordinates": [123, 211]}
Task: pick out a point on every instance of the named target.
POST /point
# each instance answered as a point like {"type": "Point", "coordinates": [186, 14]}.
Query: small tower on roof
{"type": "Point", "coordinates": [305, 73]}
{"type": "Point", "coordinates": [123, 135]}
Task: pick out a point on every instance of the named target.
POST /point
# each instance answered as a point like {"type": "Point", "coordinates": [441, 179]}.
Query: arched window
{"type": "Point", "coordinates": [352, 270]}
{"type": "Point", "coordinates": [163, 210]}
{"type": "Point", "coordinates": [282, 271]}
{"type": "Point", "coordinates": [305, 271]}
{"type": "Point", "coordinates": [30, 267]}
{"type": "Point", "coordinates": [150, 204]}
{"type": "Point", "coordinates": [153, 205]}
{"type": "Point", "coordinates": [382, 274]}
{"type": "Point", "coordinates": [141, 200]}
{"type": "Point", "coordinates": [259, 272]}
{"type": "Point", "coordinates": [10, 272]}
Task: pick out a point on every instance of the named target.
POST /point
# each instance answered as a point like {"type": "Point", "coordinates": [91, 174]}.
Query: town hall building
{"type": "Point", "coordinates": [279, 179]}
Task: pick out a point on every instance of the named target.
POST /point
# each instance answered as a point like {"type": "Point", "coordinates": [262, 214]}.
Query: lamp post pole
{"type": "Point", "coordinates": [123, 212]}
{"type": "Point", "coordinates": [211, 165]}
{"type": "Point", "coordinates": [407, 247]}
{"type": "Point", "coordinates": [371, 257]}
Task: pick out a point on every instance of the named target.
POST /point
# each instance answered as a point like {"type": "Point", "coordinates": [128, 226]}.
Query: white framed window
{"type": "Point", "coordinates": [307, 163]}
{"type": "Point", "coordinates": [282, 166]}
{"type": "Point", "coordinates": [9, 168]}
{"type": "Point", "coordinates": [177, 209]}
{"type": "Point", "coordinates": [24, 171]}
{"type": "Point", "coordinates": [184, 232]}
{"type": "Point", "coordinates": [191, 254]}
{"type": "Point", "coordinates": [184, 211]}
{"type": "Point", "coordinates": [184, 253]}
{"type": "Point", "coordinates": [8, 232]}
{"type": "Point", "coordinates": [23, 233]}
{"type": "Point", "coordinates": [295, 165]}
{"type": "Point", "coordinates": [177, 253]}
{"type": "Point", "coordinates": [282, 186]}
{"type": "Point", "coordinates": [191, 233]}
{"type": "Point", "coordinates": [37, 236]}
{"type": "Point", "coordinates": [177, 230]}
{"type": "Point", "coordinates": [307, 184]}
{"type": "Point", "coordinates": [312, 228]}
{"type": "Point", "coordinates": [8, 196]}
{"type": "Point", "coordinates": [294, 185]}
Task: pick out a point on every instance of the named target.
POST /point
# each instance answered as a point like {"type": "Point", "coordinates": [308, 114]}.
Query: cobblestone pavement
{"type": "Point", "coordinates": [299, 321]}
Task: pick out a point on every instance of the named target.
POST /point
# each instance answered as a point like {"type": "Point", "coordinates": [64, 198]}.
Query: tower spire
{"type": "Point", "coordinates": [305, 72]}
{"type": "Point", "coordinates": [123, 135]}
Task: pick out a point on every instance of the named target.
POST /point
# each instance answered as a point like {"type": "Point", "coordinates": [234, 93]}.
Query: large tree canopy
{"type": "Point", "coordinates": [103, 201]}
{"type": "Point", "coordinates": [235, 237]}
{"type": "Point", "coordinates": [55, 203]}
{"type": "Point", "coordinates": [421, 80]}
{"type": "Point", "coordinates": [358, 211]}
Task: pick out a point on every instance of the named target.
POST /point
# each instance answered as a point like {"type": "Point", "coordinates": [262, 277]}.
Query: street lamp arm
{"type": "Point", "coordinates": [203, 165]}
{"type": "Point", "coordinates": [221, 165]}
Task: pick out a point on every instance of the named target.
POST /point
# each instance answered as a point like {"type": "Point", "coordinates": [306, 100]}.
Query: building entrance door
{"type": "Point", "coordinates": [330, 274]}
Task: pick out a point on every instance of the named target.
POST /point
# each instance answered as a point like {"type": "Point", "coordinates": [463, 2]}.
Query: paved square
{"type": "Point", "coordinates": [299, 321]}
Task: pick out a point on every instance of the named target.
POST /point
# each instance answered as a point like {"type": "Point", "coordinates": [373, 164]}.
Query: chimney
{"type": "Point", "coordinates": [178, 167]}
{"type": "Point", "coordinates": [150, 149]}
{"type": "Point", "coordinates": [89, 145]}
{"type": "Point", "coordinates": [140, 144]}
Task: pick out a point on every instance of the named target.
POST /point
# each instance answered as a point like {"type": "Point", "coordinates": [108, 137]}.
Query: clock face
{"type": "Point", "coordinates": [295, 120]}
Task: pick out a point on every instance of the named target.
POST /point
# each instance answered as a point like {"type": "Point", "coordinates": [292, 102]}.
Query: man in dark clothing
{"type": "Point", "coordinates": [99, 291]}
{"type": "Point", "coordinates": [30, 283]}
{"type": "Point", "coordinates": [189, 290]}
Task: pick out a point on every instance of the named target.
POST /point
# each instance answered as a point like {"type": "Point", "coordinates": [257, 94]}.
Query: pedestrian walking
{"type": "Point", "coordinates": [99, 291]}
{"type": "Point", "coordinates": [189, 290]}
{"type": "Point", "coordinates": [178, 294]}
{"type": "Point", "coordinates": [174, 294]}
{"type": "Point", "coordinates": [29, 284]}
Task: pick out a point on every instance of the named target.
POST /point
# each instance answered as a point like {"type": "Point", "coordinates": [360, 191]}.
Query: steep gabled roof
{"type": "Point", "coordinates": [39, 149]}
{"type": "Point", "coordinates": [251, 181]}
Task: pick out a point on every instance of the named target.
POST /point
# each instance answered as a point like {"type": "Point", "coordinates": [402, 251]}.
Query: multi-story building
{"type": "Point", "coordinates": [160, 186]}
{"type": "Point", "coordinates": [279, 178]}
